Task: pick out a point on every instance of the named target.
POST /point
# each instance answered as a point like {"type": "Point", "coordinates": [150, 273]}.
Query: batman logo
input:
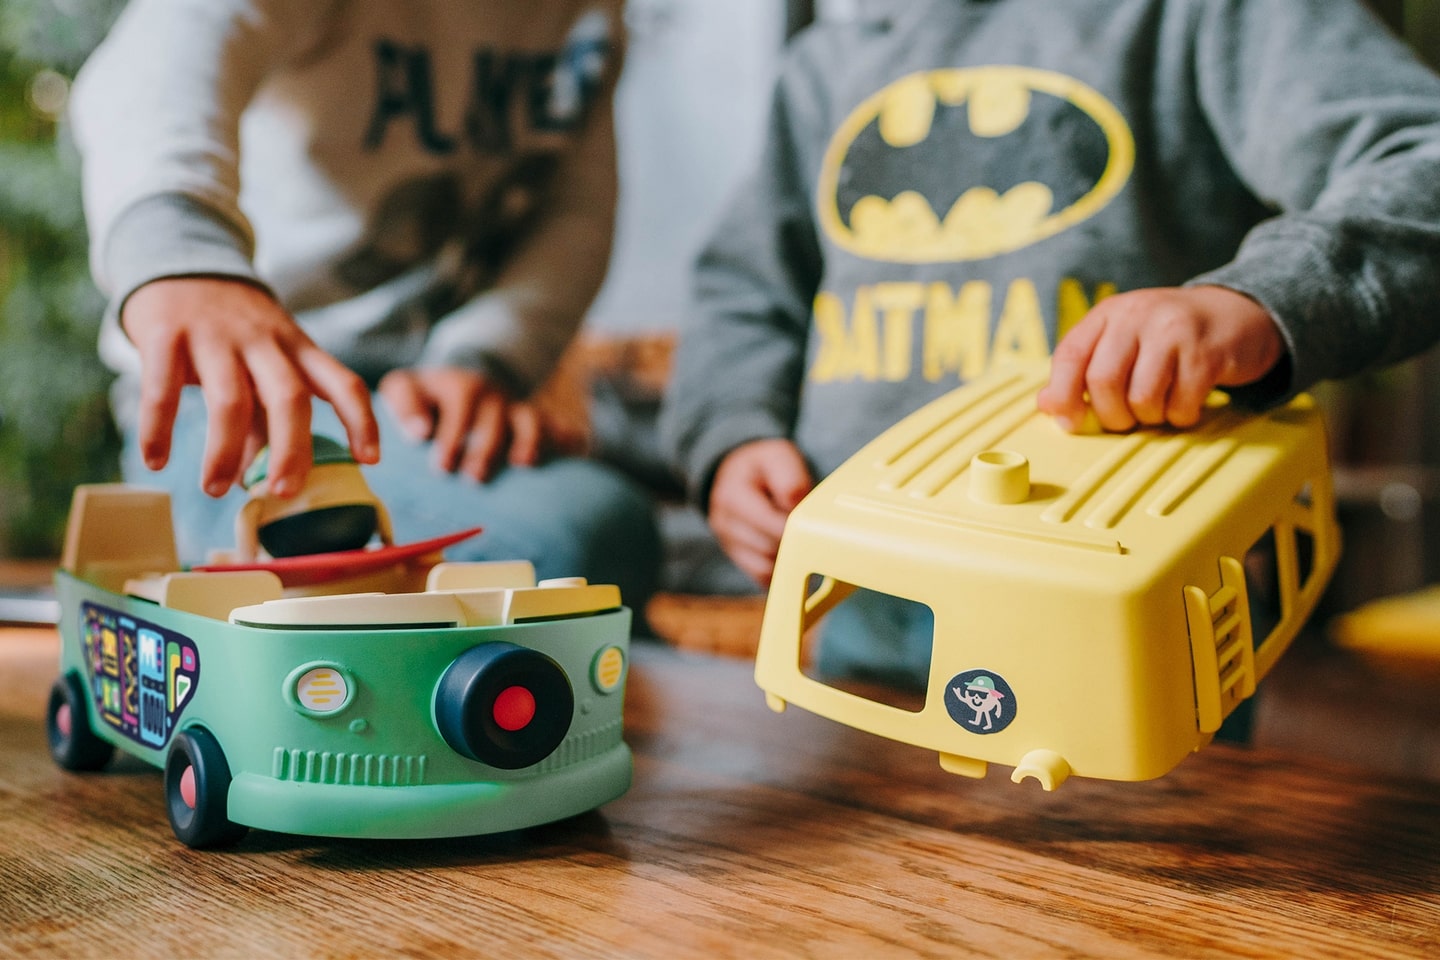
{"type": "Point", "coordinates": [965, 164]}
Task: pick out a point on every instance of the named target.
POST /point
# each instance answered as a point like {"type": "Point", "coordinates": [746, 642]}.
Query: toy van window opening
{"type": "Point", "coordinates": [908, 618]}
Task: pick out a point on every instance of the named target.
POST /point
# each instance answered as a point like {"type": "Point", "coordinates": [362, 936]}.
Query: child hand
{"type": "Point", "coordinates": [472, 422]}
{"type": "Point", "coordinates": [1153, 356]}
{"type": "Point", "coordinates": [756, 486]}
{"type": "Point", "coordinates": [257, 369]}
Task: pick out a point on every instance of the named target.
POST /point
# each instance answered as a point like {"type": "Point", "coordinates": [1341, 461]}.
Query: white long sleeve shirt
{"type": "Point", "coordinates": [421, 182]}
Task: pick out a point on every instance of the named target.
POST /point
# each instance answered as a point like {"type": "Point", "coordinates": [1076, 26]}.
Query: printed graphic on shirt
{"type": "Point", "coordinates": [896, 330]}
{"type": "Point", "coordinates": [965, 164]}
{"type": "Point", "coordinates": [420, 217]}
{"type": "Point", "coordinates": [513, 94]}
{"type": "Point", "coordinates": [957, 166]}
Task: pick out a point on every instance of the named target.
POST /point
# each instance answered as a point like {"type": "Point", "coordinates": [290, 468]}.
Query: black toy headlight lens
{"type": "Point", "coordinates": [504, 705]}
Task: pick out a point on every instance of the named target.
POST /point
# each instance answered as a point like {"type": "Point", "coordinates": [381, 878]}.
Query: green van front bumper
{"type": "Point", "coordinates": [429, 810]}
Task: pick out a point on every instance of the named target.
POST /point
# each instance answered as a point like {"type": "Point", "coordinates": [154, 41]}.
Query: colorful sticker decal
{"type": "Point", "coordinates": [141, 675]}
{"type": "Point", "coordinates": [980, 701]}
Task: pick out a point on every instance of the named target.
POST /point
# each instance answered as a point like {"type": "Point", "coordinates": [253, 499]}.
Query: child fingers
{"type": "Point", "coordinates": [486, 438]}
{"type": "Point", "coordinates": [229, 405]}
{"type": "Point", "coordinates": [526, 435]}
{"type": "Point", "coordinates": [1063, 397]}
{"type": "Point", "coordinates": [411, 406]}
{"type": "Point", "coordinates": [1151, 381]}
{"type": "Point", "coordinates": [786, 477]}
{"type": "Point", "coordinates": [455, 402]}
{"type": "Point", "coordinates": [1107, 379]}
{"type": "Point", "coordinates": [749, 548]}
{"type": "Point", "coordinates": [749, 508]}
{"type": "Point", "coordinates": [284, 395]}
{"type": "Point", "coordinates": [757, 566]}
{"type": "Point", "coordinates": [166, 366]}
{"type": "Point", "coordinates": [1193, 383]}
{"type": "Point", "coordinates": [347, 393]}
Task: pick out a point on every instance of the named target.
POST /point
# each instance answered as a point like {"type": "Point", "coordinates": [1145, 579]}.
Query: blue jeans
{"type": "Point", "coordinates": [569, 517]}
{"type": "Point", "coordinates": [877, 638]}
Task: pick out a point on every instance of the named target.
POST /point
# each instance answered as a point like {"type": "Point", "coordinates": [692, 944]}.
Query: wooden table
{"type": "Point", "coordinates": [746, 834]}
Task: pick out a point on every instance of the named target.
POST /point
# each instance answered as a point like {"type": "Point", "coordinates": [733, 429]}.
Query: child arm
{"type": "Point", "coordinates": [735, 389]}
{"type": "Point", "coordinates": [756, 486]}
{"type": "Point", "coordinates": [257, 370]}
{"type": "Point", "coordinates": [156, 115]}
{"type": "Point", "coordinates": [1153, 356]}
{"type": "Point", "coordinates": [1332, 122]}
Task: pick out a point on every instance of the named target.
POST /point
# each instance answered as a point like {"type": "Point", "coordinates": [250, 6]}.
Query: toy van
{"type": "Point", "coordinates": [479, 702]}
{"type": "Point", "coordinates": [1101, 602]}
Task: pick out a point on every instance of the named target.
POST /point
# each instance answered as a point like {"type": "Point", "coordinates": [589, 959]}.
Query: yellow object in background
{"type": "Point", "coordinates": [1407, 625]}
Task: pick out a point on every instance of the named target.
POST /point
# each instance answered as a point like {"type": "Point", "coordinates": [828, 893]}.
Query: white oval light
{"type": "Point", "coordinates": [322, 690]}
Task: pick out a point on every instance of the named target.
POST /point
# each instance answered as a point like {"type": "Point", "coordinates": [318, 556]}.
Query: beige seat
{"type": "Point", "coordinates": [118, 532]}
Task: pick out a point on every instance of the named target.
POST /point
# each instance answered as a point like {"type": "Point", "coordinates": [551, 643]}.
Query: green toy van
{"type": "Point", "coordinates": [483, 702]}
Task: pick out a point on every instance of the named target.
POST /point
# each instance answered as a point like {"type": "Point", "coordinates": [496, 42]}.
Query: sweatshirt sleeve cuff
{"type": "Point", "coordinates": [491, 336]}
{"type": "Point", "coordinates": [712, 446]}
{"type": "Point", "coordinates": [1297, 284]}
{"type": "Point", "coordinates": [173, 235]}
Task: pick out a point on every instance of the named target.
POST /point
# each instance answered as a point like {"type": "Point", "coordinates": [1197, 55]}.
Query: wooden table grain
{"type": "Point", "coordinates": [746, 834]}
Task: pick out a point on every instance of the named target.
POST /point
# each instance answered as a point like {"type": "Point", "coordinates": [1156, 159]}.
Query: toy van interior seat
{"type": "Point", "coordinates": [490, 607]}
{"type": "Point", "coordinates": [212, 595]}
{"type": "Point", "coordinates": [118, 533]}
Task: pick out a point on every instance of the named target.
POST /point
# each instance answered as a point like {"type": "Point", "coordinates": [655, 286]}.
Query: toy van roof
{"type": "Point", "coordinates": [918, 489]}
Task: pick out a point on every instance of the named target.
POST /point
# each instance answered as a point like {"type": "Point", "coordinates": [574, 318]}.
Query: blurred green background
{"type": "Point", "coordinates": [55, 428]}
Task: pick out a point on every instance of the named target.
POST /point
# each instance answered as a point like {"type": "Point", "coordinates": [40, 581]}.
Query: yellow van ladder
{"type": "Point", "coordinates": [1221, 645]}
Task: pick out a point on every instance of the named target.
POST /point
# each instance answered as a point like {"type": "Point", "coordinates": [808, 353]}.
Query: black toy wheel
{"type": "Point", "coordinates": [67, 720]}
{"type": "Point", "coordinates": [197, 788]}
{"type": "Point", "coordinates": [504, 705]}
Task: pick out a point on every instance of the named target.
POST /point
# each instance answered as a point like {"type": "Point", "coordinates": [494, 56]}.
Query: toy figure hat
{"type": "Point", "coordinates": [985, 684]}
{"type": "Point", "coordinates": [323, 450]}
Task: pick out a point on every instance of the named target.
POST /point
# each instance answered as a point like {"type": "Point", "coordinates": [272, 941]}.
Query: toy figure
{"type": "Point", "coordinates": [335, 509]}
{"type": "Point", "coordinates": [983, 698]}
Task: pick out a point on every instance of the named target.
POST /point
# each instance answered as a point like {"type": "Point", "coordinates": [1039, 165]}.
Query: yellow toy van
{"type": "Point", "coordinates": [1101, 602]}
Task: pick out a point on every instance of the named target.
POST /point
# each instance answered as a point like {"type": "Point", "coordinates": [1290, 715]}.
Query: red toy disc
{"type": "Point", "coordinates": [315, 568]}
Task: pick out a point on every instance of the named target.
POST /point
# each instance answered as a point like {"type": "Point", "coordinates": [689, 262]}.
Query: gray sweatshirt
{"type": "Point", "coordinates": [421, 182]}
{"type": "Point", "coordinates": [950, 183]}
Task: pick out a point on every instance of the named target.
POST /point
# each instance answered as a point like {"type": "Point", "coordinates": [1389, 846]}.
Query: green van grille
{"type": "Point", "coordinates": [350, 769]}
{"type": "Point", "coordinates": [582, 746]}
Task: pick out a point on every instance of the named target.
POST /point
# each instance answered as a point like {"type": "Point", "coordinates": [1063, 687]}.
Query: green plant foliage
{"type": "Point", "coordinates": [55, 428]}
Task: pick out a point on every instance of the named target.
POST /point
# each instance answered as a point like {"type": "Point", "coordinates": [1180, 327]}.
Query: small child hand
{"type": "Point", "coordinates": [1152, 356]}
{"type": "Point", "coordinates": [257, 369]}
{"type": "Point", "coordinates": [756, 486]}
{"type": "Point", "coordinates": [471, 420]}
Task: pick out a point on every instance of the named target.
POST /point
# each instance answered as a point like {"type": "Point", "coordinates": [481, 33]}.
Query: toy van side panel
{"type": "Point", "coordinates": [138, 673]}
{"type": "Point", "coordinates": [1259, 490]}
{"type": "Point", "coordinates": [1077, 680]}
{"type": "Point", "coordinates": [1084, 682]}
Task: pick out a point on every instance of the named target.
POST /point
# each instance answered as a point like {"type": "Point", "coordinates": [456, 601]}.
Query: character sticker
{"type": "Point", "coordinates": [980, 701]}
{"type": "Point", "coordinates": [141, 675]}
